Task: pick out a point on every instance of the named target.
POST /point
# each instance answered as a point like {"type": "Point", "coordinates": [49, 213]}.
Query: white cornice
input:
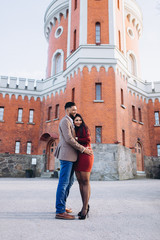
{"type": "Point", "coordinates": [52, 14]}
{"type": "Point", "coordinates": [132, 8]}
{"type": "Point", "coordinates": [89, 54]}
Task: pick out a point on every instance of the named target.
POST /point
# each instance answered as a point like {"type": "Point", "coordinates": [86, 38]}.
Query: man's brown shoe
{"type": "Point", "coordinates": [64, 216]}
{"type": "Point", "coordinates": [68, 210]}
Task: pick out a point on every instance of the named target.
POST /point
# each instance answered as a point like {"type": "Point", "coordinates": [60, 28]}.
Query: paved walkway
{"type": "Point", "coordinates": [120, 210]}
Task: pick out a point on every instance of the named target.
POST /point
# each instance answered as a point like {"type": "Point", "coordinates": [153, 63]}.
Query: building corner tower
{"type": "Point", "coordinates": [93, 51]}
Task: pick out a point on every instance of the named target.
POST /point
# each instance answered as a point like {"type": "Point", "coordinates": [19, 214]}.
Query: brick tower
{"type": "Point", "coordinates": [93, 60]}
{"type": "Point", "coordinates": [93, 52]}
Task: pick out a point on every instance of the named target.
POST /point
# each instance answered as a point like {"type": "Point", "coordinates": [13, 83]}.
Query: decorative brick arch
{"type": "Point", "coordinates": [46, 136]}
{"type": "Point", "coordinates": [51, 143]}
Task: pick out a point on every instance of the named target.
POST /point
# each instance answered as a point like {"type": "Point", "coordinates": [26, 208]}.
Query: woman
{"type": "Point", "coordinates": [84, 164]}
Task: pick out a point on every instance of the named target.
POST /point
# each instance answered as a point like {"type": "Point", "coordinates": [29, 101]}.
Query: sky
{"type": "Point", "coordinates": [23, 47]}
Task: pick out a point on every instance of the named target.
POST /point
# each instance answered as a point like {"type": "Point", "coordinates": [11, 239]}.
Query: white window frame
{"type": "Point", "coordinates": [17, 147]}
{"type": "Point", "coordinates": [29, 147]}
{"type": "Point", "coordinates": [98, 91]}
{"type": "Point", "coordinates": [53, 65]}
{"type": "Point", "coordinates": [158, 150]}
{"type": "Point", "coordinates": [131, 53]}
{"type": "Point", "coordinates": [20, 114]}
{"type": "Point", "coordinates": [31, 116]}
{"type": "Point", "coordinates": [98, 32]}
{"type": "Point", "coordinates": [130, 30]}
{"type": "Point", "coordinates": [98, 138]}
{"type": "Point", "coordinates": [1, 113]}
{"type": "Point", "coordinates": [57, 35]}
{"type": "Point", "coordinates": [58, 60]}
{"type": "Point", "coordinates": [156, 117]}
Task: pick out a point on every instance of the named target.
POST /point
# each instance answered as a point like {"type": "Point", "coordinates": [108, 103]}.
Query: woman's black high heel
{"type": "Point", "coordinates": [82, 217]}
{"type": "Point", "coordinates": [79, 214]}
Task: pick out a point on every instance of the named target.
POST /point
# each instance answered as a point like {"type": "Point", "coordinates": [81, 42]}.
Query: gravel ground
{"type": "Point", "coordinates": [119, 210]}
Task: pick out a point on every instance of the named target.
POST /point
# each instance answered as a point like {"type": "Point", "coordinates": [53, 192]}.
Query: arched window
{"type": "Point", "coordinates": [98, 33]}
{"type": "Point", "coordinates": [58, 59]}
{"type": "Point", "coordinates": [57, 62]}
{"type": "Point", "coordinates": [132, 65]}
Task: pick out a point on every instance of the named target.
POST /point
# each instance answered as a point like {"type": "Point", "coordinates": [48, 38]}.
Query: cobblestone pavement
{"type": "Point", "coordinates": [123, 210]}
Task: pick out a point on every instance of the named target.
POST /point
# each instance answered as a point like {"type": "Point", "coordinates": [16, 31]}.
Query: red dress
{"type": "Point", "coordinates": [85, 161]}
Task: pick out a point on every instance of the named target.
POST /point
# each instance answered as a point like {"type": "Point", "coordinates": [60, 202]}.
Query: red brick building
{"type": "Point", "coordinates": [93, 59]}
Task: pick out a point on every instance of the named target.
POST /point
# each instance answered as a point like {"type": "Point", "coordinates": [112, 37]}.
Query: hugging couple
{"type": "Point", "coordinates": [75, 155]}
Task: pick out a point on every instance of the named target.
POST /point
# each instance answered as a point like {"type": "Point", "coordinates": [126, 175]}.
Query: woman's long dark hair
{"type": "Point", "coordinates": [83, 125]}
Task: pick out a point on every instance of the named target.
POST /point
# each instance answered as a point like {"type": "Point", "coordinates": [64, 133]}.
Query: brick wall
{"type": "Point", "coordinates": [98, 12]}
{"type": "Point", "coordinates": [11, 130]}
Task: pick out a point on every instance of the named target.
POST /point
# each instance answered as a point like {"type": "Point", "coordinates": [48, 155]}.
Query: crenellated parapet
{"type": "Point", "coordinates": [21, 83]}
{"type": "Point", "coordinates": [145, 90]}
{"type": "Point", "coordinates": [138, 87]}
{"type": "Point", "coordinates": [55, 84]}
{"type": "Point", "coordinates": [31, 87]}
{"type": "Point", "coordinates": [54, 12]}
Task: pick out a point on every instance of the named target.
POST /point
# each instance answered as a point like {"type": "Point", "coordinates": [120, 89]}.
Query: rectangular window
{"type": "Point", "coordinates": [75, 4]}
{"type": "Point", "coordinates": [98, 91]}
{"type": "Point", "coordinates": [75, 40]}
{"type": "Point", "coordinates": [122, 98]}
{"type": "Point", "coordinates": [49, 113]}
{"type": "Point", "coordinates": [140, 114]}
{"type": "Point", "coordinates": [98, 33]}
{"type": "Point", "coordinates": [20, 113]}
{"type": "Point", "coordinates": [119, 37]}
{"type": "Point", "coordinates": [133, 113]}
{"type": "Point", "coordinates": [98, 134]}
{"type": "Point", "coordinates": [123, 137]}
{"type": "Point", "coordinates": [31, 113]}
{"type": "Point", "coordinates": [1, 113]}
{"type": "Point", "coordinates": [57, 111]}
{"type": "Point", "coordinates": [29, 146]}
{"type": "Point", "coordinates": [156, 114]}
{"type": "Point", "coordinates": [17, 147]}
{"type": "Point", "coordinates": [73, 94]}
{"type": "Point", "coordinates": [118, 4]}
{"type": "Point", "coordinates": [158, 150]}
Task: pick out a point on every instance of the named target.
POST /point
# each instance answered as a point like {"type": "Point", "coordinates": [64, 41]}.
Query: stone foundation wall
{"type": "Point", "coordinates": [152, 167]}
{"type": "Point", "coordinates": [113, 162]}
{"type": "Point", "coordinates": [15, 165]}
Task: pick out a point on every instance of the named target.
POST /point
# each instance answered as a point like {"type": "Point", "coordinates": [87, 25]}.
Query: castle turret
{"type": "Point", "coordinates": [93, 46]}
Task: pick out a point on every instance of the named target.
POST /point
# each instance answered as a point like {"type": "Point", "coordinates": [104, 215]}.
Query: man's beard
{"type": "Point", "coordinates": [71, 116]}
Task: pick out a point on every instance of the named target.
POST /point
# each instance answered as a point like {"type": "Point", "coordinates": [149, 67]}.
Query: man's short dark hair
{"type": "Point", "coordinates": [69, 105]}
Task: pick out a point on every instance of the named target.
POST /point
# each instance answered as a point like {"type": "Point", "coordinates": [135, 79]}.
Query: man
{"type": "Point", "coordinates": [66, 152]}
